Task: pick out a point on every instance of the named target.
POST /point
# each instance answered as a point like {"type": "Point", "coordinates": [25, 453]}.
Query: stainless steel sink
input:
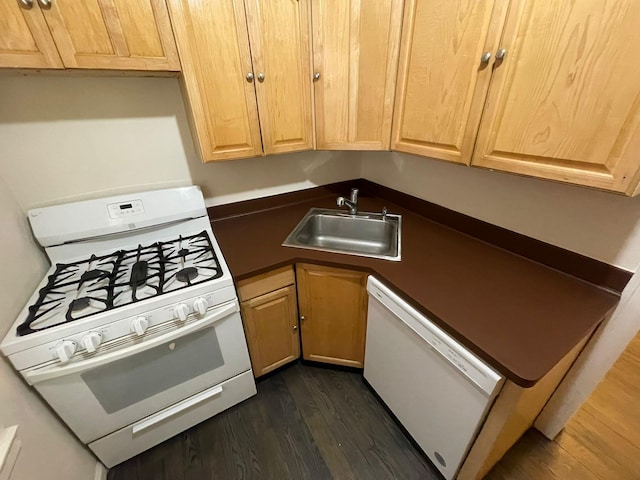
{"type": "Point", "coordinates": [365, 234]}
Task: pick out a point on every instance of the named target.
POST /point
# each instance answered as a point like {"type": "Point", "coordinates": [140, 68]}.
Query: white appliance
{"type": "Point", "coordinates": [134, 334]}
{"type": "Point", "coordinates": [437, 389]}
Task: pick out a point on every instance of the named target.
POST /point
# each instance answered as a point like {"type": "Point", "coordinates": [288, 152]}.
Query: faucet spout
{"type": "Point", "coordinates": [352, 203]}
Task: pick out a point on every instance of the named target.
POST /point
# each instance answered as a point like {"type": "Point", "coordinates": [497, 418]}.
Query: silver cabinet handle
{"type": "Point", "coordinates": [302, 319]}
{"type": "Point", "coordinates": [501, 53]}
{"type": "Point", "coordinates": [261, 77]}
{"type": "Point", "coordinates": [486, 56]}
{"type": "Point", "coordinates": [26, 4]}
{"type": "Point", "coordinates": [46, 4]}
{"type": "Point", "coordinates": [316, 76]}
{"type": "Point", "coordinates": [250, 77]}
{"type": "Point", "coordinates": [295, 328]}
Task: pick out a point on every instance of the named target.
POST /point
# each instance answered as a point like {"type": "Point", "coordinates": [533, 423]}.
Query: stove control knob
{"type": "Point", "coordinates": [139, 325]}
{"type": "Point", "coordinates": [181, 312]}
{"type": "Point", "coordinates": [91, 341]}
{"type": "Point", "coordinates": [65, 350]}
{"type": "Point", "coordinates": [201, 305]}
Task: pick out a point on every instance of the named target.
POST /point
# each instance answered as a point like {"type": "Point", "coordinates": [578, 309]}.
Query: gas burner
{"type": "Point", "coordinates": [187, 274]}
{"type": "Point", "coordinates": [80, 289]}
{"type": "Point", "coordinates": [90, 275]}
{"type": "Point", "coordinates": [139, 274]}
{"type": "Point", "coordinates": [79, 304]}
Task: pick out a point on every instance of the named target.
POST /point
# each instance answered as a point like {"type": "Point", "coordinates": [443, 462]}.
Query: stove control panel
{"type": "Point", "coordinates": [125, 209]}
{"type": "Point", "coordinates": [83, 336]}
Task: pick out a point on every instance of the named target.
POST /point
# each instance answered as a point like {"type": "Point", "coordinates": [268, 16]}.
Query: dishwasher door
{"type": "Point", "coordinates": [436, 388]}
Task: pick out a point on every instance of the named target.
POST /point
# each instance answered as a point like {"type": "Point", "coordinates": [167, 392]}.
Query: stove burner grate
{"type": "Point", "coordinates": [81, 289]}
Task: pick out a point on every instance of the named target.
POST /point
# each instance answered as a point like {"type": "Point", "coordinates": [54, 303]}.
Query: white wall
{"type": "Point", "coordinates": [600, 225]}
{"type": "Point", "coordinates": [48, 449]}
{"type": "Point", "coordinates": [64, 138]}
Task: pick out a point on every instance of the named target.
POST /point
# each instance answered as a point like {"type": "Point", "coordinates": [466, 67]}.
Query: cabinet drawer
{"type": "Point", "coordinates": [267, 282]}
{"type": "Point", "coordinates": [133, 439]}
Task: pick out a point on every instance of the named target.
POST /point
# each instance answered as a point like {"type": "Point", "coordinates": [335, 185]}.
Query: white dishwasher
{"type": "Point", "coordinates": [437, 389]}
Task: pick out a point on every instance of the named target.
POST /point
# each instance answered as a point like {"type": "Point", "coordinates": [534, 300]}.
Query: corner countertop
{"type": "Point", "coordinates": [521, 317]}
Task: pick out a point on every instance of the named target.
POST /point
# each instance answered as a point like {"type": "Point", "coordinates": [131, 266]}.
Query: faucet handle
{"type": "Point", "coordinates": [354, 194]}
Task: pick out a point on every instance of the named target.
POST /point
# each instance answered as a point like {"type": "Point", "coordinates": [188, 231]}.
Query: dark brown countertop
{"type": "Point", "coordinates": [518, 315]}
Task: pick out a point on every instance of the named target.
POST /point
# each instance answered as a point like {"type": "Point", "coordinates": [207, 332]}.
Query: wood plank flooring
{"type": "Point", "coordinates": [601, 442]}
{"type": "Point", "coordinates": [305, 423]}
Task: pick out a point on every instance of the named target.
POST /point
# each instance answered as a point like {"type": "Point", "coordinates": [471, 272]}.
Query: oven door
{"type": "Point", "coordinates": [100, 395]}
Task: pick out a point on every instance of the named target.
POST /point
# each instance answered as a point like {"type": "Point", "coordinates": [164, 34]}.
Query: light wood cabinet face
{"type": "Point", "coordinates": [355, 51]}
{"type": "Point", "coordinates": [25, 40]}
{"type": "Point", "coordinates": [214, 48]}
{"type": "Point", "coordinates": [280, 49]}
{"type": "Point", "coordinates": [333, 303]}
{"type": "Point", "coordinates": [565, 102]}
{"type": "Point", "coordinates": [442, 82]}
{"type": "Point", "coordinates": [113, 34]}
{"type": "Point", "coordinates": [271, 325]}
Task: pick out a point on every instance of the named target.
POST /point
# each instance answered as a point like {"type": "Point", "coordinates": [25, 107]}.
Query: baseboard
{"type": "Point", "coordinates": [101, 472]}
{"type": "Point", "coordinates": [10, 447]}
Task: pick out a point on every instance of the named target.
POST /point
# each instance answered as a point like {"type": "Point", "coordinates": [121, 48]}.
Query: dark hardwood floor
{"type": "Point", "coordinates": [304, 423]}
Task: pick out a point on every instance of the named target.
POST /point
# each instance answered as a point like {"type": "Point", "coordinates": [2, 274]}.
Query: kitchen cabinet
{"type": "Point", "coordinates": [564, 103]}
{"type": "Point", "coordinates": [280, 50]}
{"type": "Point", "coordinates": [25, 40]}
{"type": "Point", "coordinates": [553, 82]}
{"type": "Point", "coordinates": [95, 34]}
{"type": "Point", "coordinates": [270, 317]}
{"type": "Point", "coordinates": [442, 78]}
{"type": "Point", "coordinates": [355, 55]}
{"type": "Point", "coordinates": [225, 86]}
{"type": "Point", "coordinates": [333, 314]}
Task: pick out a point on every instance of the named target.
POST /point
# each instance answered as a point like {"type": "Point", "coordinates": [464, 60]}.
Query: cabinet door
{"type": "Point", "coordinates": [271, 324]}
{"type": "Point", "coordinates": [280, 50]}
{"type": "Point", "coordinates": [25, 41]}
{"type": "Point", "coordinates": [333, 303]}
{"type": "Point", "coordinates": [565, 102]}
{"type": "Point", "coordinates": [214, 49]}
{"type": "Point", "coordinates": [355, 51]}
{"type": "Point", "coordinates": [442, 80]}
{"type": "Point", "coordinates": [113, 34]}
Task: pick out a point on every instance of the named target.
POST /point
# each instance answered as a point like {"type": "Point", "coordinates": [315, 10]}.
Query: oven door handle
{"type": "Point", "coordinates": [177, 409]}
{"type": "Point", "coordinates": [39, 375]}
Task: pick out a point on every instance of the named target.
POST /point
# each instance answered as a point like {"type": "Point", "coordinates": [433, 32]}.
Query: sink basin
{"type": "Point", "coordinates": [364, 234]}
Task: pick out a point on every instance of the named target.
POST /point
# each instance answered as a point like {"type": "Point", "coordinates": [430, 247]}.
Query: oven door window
{"type": "Point", "coordinates": [143, 375]}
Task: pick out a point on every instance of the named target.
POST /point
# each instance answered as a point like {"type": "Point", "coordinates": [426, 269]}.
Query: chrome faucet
{"type": "Point", "coordinates": [352, 203]}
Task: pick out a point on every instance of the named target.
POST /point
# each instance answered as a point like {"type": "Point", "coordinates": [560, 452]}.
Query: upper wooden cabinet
{"type": "Point", "coordinates": [113, 34]}
{"type": "Point", "coordinates": [333, 314]}
{"type": "Point", "coordinates": [96, 34]}
{"type": "Point", "coordinates": [564, 103]}
{"type": "Point", "coordinates": [443, 77]}
{"type": "Point", "coordinates": [25, 41]}
{"type": "Point", "coordinates": [556, 84]}
{"type": "Point", "coordinates": [214, 48]}
{"type": "Point", "coordinates": [280, 50]}
{"type": "Point", "coordinates": [223, 73]}
{"type": "Point", "coordinates": [355, 56]}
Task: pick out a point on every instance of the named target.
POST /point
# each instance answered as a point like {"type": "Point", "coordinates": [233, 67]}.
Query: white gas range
{"type": "Point", "coordinates": [134, 334]}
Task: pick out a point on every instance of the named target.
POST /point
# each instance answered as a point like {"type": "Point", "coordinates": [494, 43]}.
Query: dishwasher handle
{"type": "Point", "coordinates": [480, 374]}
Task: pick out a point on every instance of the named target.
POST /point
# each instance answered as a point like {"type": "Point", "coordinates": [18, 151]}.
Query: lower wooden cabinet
{"type": "Point", "coordinates": [270, 316]}
{"type": "Point", "coordinates": [271, 325]}
{"type": "Point", "coordinates": [333, 314]}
